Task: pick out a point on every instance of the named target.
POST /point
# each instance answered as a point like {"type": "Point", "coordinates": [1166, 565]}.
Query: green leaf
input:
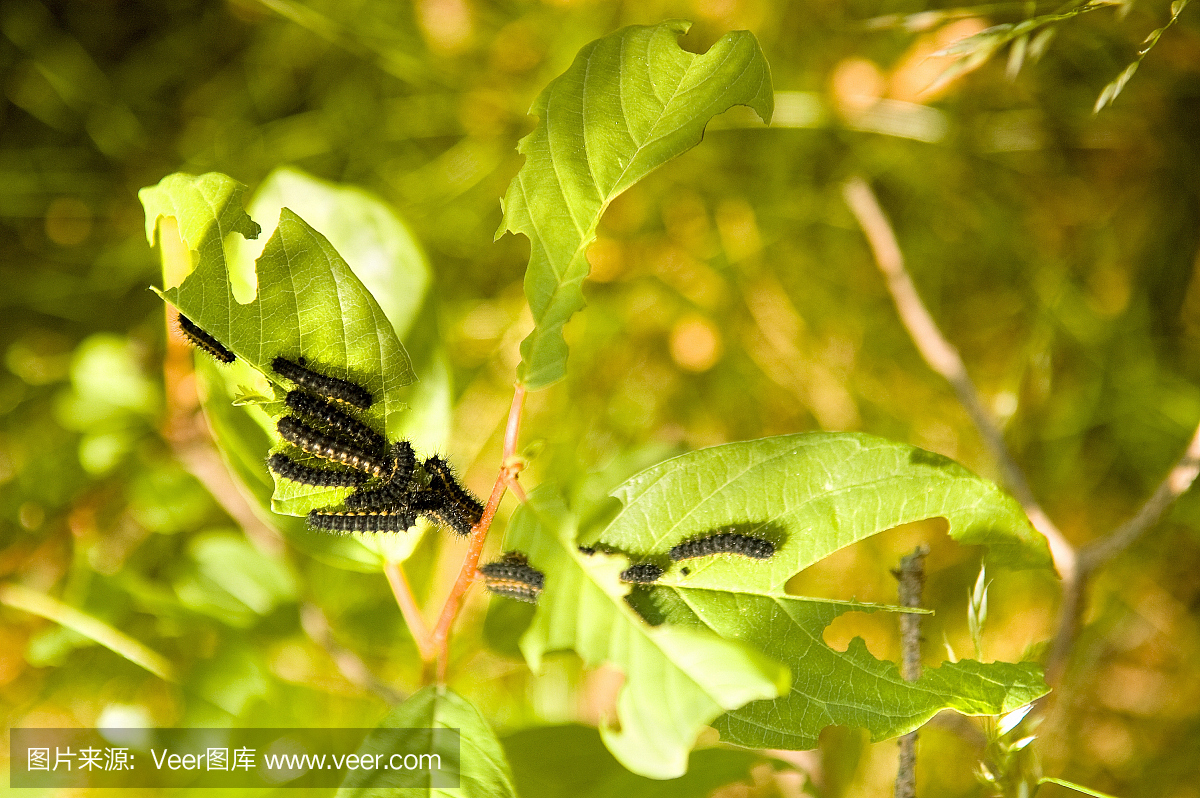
{"type": "Point", "coordinates": [1070, 785]}
{"type": "Point", "coordinates": [676, 680]}
{"type": "Point", "coordinates": [629, 103]}
{"type": "Point", "coordinates": [308, 300]}
{"type": "Point", "coordinates": [570, 762]}
{"type": "Point", "coordinates": [829, 687]}
{"type": "Point", "coordinates": [379, 247]}
{"type": "Point", "coordinates": [335, 315]}
{"type": "Point", "coordinates": [483, 771]}
{"type": "Point", "coordinates": [231, 580]}
{"type": "Point", "coordinates": [812, 494]}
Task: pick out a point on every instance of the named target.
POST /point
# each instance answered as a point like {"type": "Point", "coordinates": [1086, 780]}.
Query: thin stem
{"type": "Point", "coordinates": [1093, 556]}
{"type": "Point", "coordinates": [911, 576]}
{"type": "Point", "coordinates": [510, 468]}
{"type": "Point", "coordinates": [409, 609]}
{"type": "Point", "coordinates": [1177, 481]}
{"type": "Point", "coordinates": [1074, 567]}
{"type": "Point", "coordinates": [943, 358]}
{"type": "Point", "coordinates": [466, 575]}
{"type": "Point", "coordinates": [22, 598]}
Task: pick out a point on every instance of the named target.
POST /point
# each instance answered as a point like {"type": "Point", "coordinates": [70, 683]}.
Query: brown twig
{"type": "Point", "coordinates": [1097, 553]}
{"type": "Point", "coordinates": [466, 575]}
{"type": "Point", "coordinates": [1075, 567]}
{"type": "Point", "coordinates": [943, 358]}
{"type": "Point", "coordinates": [911, 575]}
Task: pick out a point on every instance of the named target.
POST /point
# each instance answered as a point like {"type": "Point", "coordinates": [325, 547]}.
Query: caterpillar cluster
{"type": "Point", "coordinates": [513, 577]}
{"type": "Point", "coordinates": [389, 496]}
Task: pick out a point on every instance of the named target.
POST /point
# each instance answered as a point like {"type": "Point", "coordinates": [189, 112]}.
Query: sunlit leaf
{"type": "Point", "coordinates": [811, 495]}
{"type": "Point", "coordinates": [676, 680]}
{"type": "Point", "coordinates": [630, 102]}
{"type": "Point", "coordinates": [478, 757]}
{"type": "Point", "coordinates": [309, 303]}
{"type": "Point", "coordinates": [571, 762]}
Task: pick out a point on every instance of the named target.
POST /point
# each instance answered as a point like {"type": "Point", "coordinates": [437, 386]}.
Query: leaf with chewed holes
{"type": "Point", "coordinates": [301, 299]}
{"type": "Point", "coordinates": [810, 495]}
{"type": "Point", "coordinates": [630, 102]}
{"type": "Point", "coordinates": [677, 680]}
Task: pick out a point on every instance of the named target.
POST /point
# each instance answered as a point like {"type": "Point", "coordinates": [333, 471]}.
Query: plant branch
{"type": "Point", "coordinates": [1180, 478]}
{"type": "Point", "coordinates": [911, 576]}
{"type": "Point", "coordinates": [409, 609]}
{"type": "Point", "coordinates": [511, 466]}
{"type": "Point", "coordinates": [1074, 567]}
{"type": "Point", "coordinates": [943, 358]}
{"type": "Point", "coordinates": [1097, 553]}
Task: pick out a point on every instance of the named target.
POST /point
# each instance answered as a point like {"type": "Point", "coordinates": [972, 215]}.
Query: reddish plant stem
{"type": "Point", "coordinates": [409, 609]}
{"type": "Point", "coordinates": [466, 575]}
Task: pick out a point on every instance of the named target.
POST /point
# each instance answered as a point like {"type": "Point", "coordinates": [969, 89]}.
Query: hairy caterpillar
{"type": "Point", "coordinates": [642, 573]}
{"type": "Point", "coordinates": [310, 440]}
{"type": "Point", "coordinates": [513, 577]}
{"type": "Point", "coordinates": [334, 420]}
{"type": "Point", "coordinates": [377, 520]}
{"type": "Point", "coordinates": [338, 390]}
{"type": "Point", "coordinates": [723, 543]}
{"type": "Point", "coordinates": [289, 469]}
{"type": "Point", "coordinates": [447, 503]}
{"type": "Point", "coordinates": [397, 490]}
{"type": "Point", "coordinates": [202, 340]}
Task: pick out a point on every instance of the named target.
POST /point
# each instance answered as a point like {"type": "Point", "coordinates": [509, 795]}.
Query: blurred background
{"type": "Point", "coordinates": [732, 297]}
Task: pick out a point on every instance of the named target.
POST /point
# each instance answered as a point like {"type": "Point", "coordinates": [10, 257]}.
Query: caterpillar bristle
{"type": "Point", "coordinates": [334, 449]}
{"type": "Point", "coordinates": [203, 341]}
{"type": "Point", "coordinates": [449, 503]}
{"type": "Point", "coordinates": [450, 516]}
{"type": "Point", "coordinates": [383, 520]}
{"type": "Point", "coordinates": [723, 543]}
{"type": "Point", "coordinates": [334, 420]}
{"type": "Point", "coordinates": [513, 577]}
{"type": "Point", "coordinates": [338, 390]}
{"type": "Point", "coordinates": [289, 469]}
{"type": "Point", "coordinates": [642, 573]}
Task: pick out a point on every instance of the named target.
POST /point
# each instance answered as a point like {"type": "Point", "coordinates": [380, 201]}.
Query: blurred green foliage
{"type": "Point", "coordinates": [733, 298]}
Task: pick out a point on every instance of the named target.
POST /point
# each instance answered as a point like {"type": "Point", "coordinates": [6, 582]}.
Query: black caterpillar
{"type": "Point", "coordinates": [202, 340]}
{"type": "Point", "coordinates": [642, 573]}
{"type": "Point", "coordinates": [397, 490]}
{"type": "Point", "coordinates": [723, 543]}
{"type": "Point", "coordinates": [446, 502]}
{"type": "Point", "coordinates": [330, 447]}
{"type": "Point", "coordinates": [289, 469]}
{"type": "Point", "coordinates": [334, 420]}
{"type": "Point", "coordinates": [513, 577]}
{"type": "Point", "coordinates": [338, 390]}
{"type": "Point", "coordinates": [378, 520]}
